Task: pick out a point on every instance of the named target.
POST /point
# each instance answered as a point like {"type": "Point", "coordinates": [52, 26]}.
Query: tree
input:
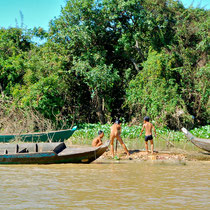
{"type": "Point", "coordinates": [14, 46]}
{"type": "Point", "coordinates": [105, 59]}
{"type": "Point", "coordinates": [154, 92]}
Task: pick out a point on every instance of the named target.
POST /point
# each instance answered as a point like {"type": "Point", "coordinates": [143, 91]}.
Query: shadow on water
{"type": "Point", "coordinates": [149, 162]}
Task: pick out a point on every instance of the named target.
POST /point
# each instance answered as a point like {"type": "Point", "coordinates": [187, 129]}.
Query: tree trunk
{"type": "Point", "coordinates": [99, 109]}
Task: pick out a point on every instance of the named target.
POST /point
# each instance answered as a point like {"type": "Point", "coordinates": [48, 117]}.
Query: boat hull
{"type": "Point", "coordinates": [203, 144]}
{"type": "Point", "coordinates": [68, 155]}
{"type": "Point", "coordinates": [53, 136]}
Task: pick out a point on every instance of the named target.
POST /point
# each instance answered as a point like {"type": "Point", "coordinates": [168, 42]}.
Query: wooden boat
{"type": "Point", "coordinates": [201, 143]}
{"type": "Point", "coordinates": [48, 153]}
{"type": "Point", "coordinates": [52, 136]}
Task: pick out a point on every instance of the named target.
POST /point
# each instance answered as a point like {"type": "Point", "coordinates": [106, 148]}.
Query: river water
{"type": "Point", "coordinates": [106, 185]}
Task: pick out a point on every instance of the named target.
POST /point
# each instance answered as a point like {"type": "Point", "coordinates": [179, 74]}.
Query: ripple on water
{"type": "Point", "coordinates": [138, 185]}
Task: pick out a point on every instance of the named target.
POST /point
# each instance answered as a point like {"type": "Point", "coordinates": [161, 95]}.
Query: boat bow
{"type": "Point", "coordinates": [201, 143]}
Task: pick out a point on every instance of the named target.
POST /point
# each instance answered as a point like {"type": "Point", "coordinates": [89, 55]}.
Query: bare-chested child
{"type": "Point", "coordinates": [98, 140]}
{"type": "Point", "coordinates": [148, 134]}
{"type": "Point", "coordinates": [115, 133]}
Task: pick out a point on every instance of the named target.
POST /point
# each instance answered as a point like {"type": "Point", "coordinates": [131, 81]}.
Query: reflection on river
{"type": "Point", "coordinates": [106, 185]}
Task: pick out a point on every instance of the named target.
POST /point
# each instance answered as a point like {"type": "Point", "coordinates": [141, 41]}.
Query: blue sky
{"type": "Point", "coordinates": [35, 12]}
{"type": "Point", "coordinates": [40, 12]}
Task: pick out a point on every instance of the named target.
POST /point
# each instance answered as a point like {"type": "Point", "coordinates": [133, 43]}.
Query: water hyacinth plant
{"type": "Point", "coordinates": [87, 132]}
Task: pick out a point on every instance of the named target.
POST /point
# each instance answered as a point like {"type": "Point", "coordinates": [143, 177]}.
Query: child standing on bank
{"type": "Point", "coordinates": [115, 133]}
{"type": "Point", "coordinates": [148, 134]}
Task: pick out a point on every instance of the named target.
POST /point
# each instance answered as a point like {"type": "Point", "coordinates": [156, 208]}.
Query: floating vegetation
{"type": "Point", "coordinates": [87, 132]}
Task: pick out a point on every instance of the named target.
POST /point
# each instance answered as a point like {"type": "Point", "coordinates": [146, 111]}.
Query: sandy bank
{"type": "Point", "coordinates": [140, 155]}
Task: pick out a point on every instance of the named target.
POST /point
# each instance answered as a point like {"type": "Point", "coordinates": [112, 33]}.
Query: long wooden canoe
{"type": "Point", "coordinates": [201, 143]}
{"type": "Point", "coordinates": [48, 153]}
{"type": "Point", "coordinates": [52, 136]}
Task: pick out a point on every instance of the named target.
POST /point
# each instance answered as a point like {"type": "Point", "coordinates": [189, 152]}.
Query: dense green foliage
{"type": "Point", "coordinates": [112, 58]}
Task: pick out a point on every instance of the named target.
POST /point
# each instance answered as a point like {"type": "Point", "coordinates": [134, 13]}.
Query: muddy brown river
{"type": "Point", "coordinates": [106, 184]}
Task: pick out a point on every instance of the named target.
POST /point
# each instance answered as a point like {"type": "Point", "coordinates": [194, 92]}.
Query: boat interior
{"type": "Point", "coordinates": [12, 148]}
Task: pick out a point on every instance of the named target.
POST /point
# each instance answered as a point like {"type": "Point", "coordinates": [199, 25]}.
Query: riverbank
{"type": "Point", "coordinates": [173, 155]}
{"type": "Point", "coordinates": [165, 150]}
